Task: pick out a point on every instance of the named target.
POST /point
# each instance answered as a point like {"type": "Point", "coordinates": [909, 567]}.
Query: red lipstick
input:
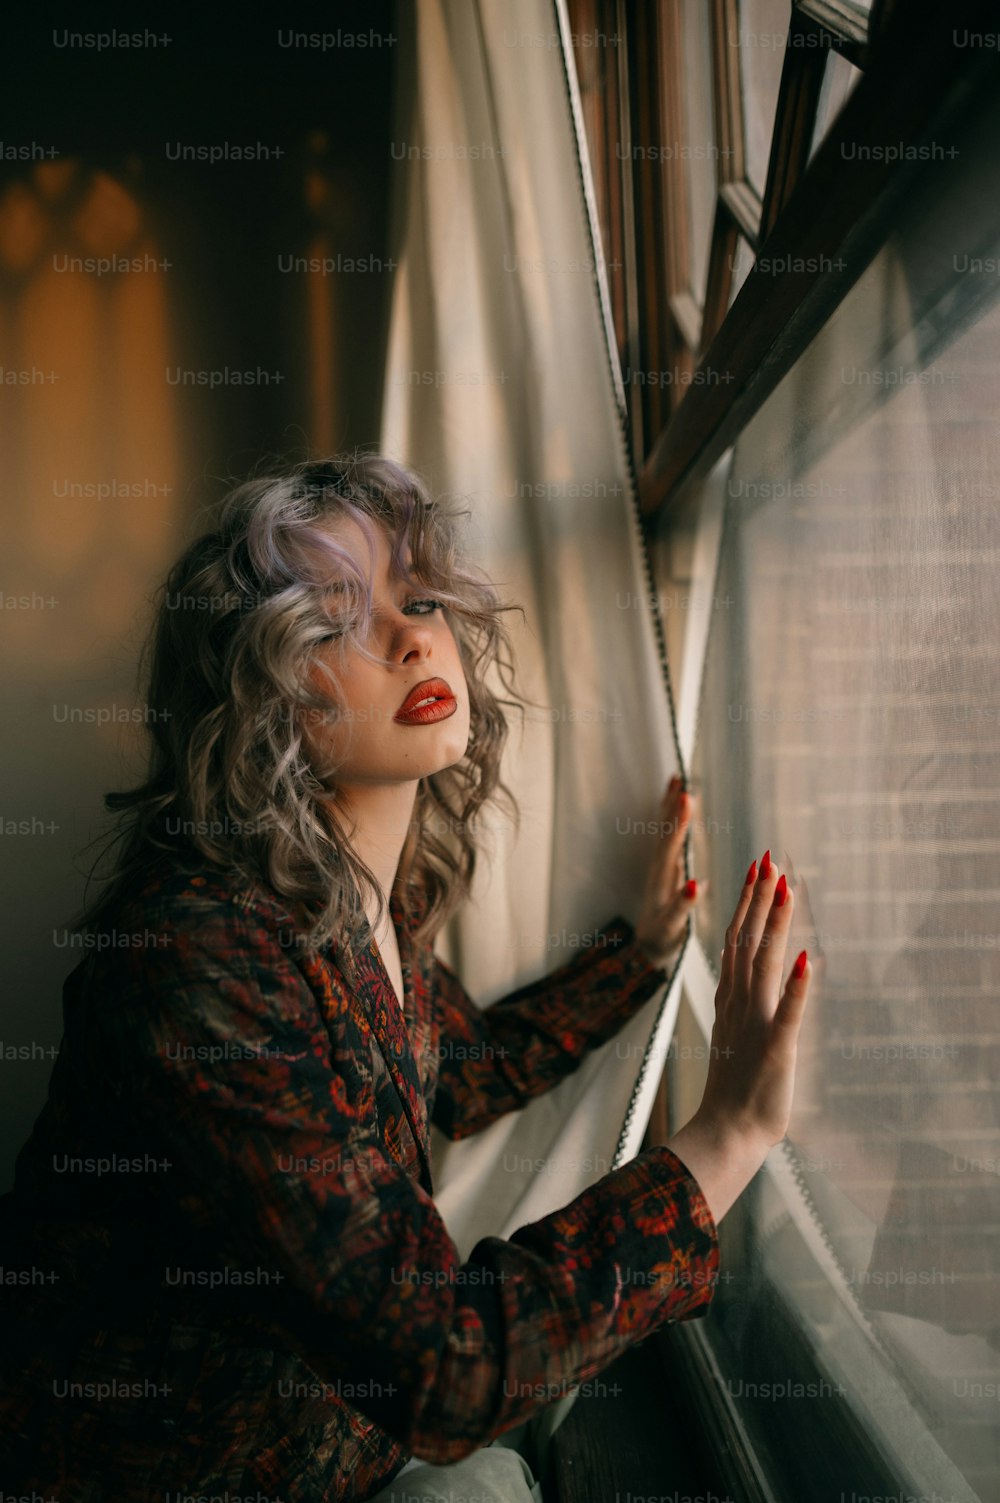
{"type": "Point", "coordinates": [426, 702]}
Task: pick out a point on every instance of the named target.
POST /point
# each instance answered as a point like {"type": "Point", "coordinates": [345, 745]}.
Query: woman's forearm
{"type": "Point", "coordinates": [723, 1159]}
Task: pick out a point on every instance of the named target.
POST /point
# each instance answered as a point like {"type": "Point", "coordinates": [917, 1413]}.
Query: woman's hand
{"type": "Point", "coordinates": [751, 1075]}
{"type": "Point", "coordinates": [668, 899]}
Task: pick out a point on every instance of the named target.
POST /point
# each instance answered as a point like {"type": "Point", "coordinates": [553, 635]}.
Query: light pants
{"type": "Point", "coordinates": [499, 1473]}
{"type": "Point", "coordinates": [496, 1474]}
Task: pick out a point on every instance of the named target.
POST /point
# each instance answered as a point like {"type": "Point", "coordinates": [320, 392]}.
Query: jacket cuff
{"type": "Point", "coordinates": [628, 946]}
{"type": "Point", "coordinates": [702, 1280]}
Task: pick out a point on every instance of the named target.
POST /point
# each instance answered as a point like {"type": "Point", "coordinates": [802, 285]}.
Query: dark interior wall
{"type": "Point", "coordinates": [158, 336]}
{"type": "Point", "coordinates": [231, 84]}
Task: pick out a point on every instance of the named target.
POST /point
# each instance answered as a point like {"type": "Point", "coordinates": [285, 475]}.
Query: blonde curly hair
{"type": "Point", "coordinates": [236, 630]}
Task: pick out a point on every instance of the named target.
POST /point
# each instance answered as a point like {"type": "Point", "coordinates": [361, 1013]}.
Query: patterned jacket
{"type": "Point", "coordinates": [222, 1262]}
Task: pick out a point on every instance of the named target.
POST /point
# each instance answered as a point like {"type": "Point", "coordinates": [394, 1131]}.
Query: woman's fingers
{"type": "Point", "coordinates": [733, 932]}
{"type": "Point", "coordinates": [668, 899]}
{"type": "Point", "coordinates": [673, 920]}
{"type": "Point", "coordinates": [792, 1005]}
{"type": "Point", "coordinates": [769, 960]}
{"type": "Point", "coordinates": [752, 928]}
{"type": "Point", "coordinates": [668, 871]}
{"type": "Point", "coordinates": [752, 1073]}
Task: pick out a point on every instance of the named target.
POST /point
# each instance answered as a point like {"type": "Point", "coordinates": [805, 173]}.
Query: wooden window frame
{"type": "Point", "coordinates": [915, 76]}
{"type": "Point", "coordinates": [812, 211]}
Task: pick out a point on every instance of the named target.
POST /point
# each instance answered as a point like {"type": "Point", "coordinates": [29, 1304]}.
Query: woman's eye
{"type": "Point", "coordinates": [418, 607]}
{"type": "Point", "coordinates": [333, 632]}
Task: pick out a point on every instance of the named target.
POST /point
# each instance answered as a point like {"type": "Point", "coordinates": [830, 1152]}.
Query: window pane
{"type": "Point", "coordinates": [849, 722]}
{"type": "Point", "coordinates": [839, 79]}
{"type": "Point", "coordinates": [698, 150]}
{"type": "Point", "coordinates": [762, 36]}
{"type": "Point", "coordinates": [742, 265]}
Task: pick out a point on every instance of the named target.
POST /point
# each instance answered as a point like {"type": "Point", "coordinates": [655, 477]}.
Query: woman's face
{"type": "Point", "coordinates": [413, 643]}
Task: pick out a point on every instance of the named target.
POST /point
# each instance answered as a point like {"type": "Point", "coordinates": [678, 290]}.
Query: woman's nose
{"type": "Point", "coordinates": [412, 639]}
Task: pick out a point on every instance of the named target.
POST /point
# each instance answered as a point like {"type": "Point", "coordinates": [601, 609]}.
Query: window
{"type": "Point", "coordinates": [848, 718]}
{"type": "Point", "coordinates": [831, 501]}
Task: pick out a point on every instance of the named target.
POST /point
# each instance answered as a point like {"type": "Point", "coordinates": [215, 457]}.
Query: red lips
{"type": "Point", "coordinates": [434, 689]}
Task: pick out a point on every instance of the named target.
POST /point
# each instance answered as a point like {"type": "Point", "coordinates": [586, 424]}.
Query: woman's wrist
{"type": "Point", "coordinates": [659, 958]}
{"type": "Point", "coordinates": [722, 1156]}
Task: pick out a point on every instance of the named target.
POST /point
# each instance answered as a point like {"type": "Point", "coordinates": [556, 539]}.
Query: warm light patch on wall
{"type": "Point", "coordinates": [320, 317]}
{"type": "Point", "coordinates": [87, 421]}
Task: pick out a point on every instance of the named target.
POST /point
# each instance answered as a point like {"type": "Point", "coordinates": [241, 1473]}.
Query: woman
{"type": "Point", "coordinates": [223, 1262]}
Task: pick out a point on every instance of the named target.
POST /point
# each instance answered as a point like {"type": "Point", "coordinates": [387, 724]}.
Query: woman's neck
{"type": "Point", "coordinates": [377, 818]}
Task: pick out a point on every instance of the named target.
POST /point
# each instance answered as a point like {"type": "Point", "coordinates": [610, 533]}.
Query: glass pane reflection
{"type": "Point", "coordinates": [848, 721]}
{"type": "Point", "coordinates": [840, 78]}
{"type": "Point", "coordinates": [763, 31]}
{"type": "Point", "coordinates": [699, 148]}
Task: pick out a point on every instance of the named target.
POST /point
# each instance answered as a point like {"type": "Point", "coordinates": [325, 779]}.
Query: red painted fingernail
{"type": "Point", "coordinates": [799, 968]}
{"type": "Point", "coordinates": [690, 887]}
{"type": "Point", "coordinates": [765, 864]}
{"type": "Point", "coordinates": [751, 875]}
{"type": "Point", "coordinates": [781, 891]}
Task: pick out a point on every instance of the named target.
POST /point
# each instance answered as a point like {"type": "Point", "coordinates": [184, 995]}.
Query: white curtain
{"type": "Point", "coordinates": [499, 389]}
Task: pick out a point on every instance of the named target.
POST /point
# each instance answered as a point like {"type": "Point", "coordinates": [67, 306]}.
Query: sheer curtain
{"type": "Point", "coordinates": [499, 389]}
{"type": "Point", "coordinates": [848, 720]}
